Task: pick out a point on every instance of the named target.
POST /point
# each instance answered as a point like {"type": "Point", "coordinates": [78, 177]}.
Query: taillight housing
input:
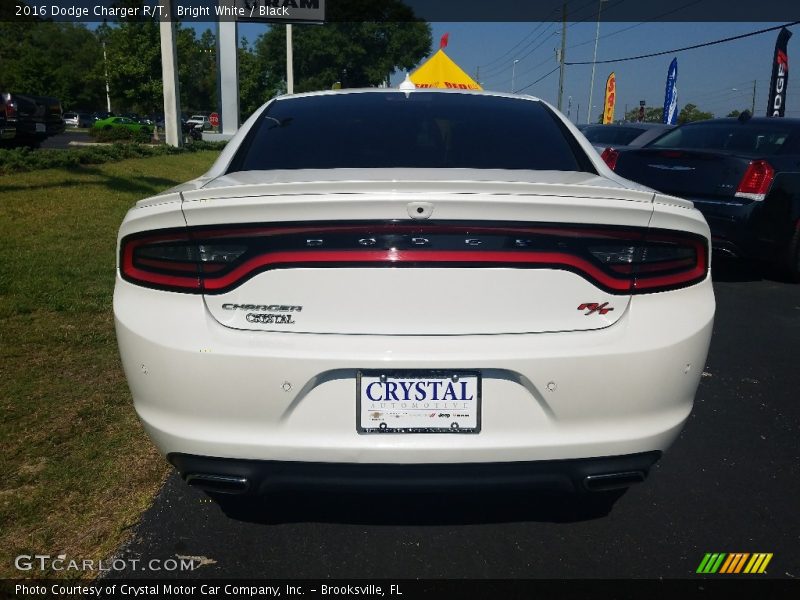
{"type": "Point", "coordinates": [756, 181]}
{"type": "Point", "coordinates": [619, 260]}
{"type": "Point", "coordinates": [610, 157]}
{"type": "Point", "coordinates": [11, 109]}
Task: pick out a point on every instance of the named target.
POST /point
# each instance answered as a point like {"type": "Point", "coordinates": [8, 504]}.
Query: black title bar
{"type": "Point", "coordinates": [404, 10]}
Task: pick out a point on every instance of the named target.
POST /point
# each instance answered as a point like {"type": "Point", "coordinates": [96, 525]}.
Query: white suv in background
{"type": "Point", "coordinates": [199, 121]}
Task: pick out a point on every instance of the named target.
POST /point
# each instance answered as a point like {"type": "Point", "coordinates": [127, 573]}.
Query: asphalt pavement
{"type": "Point", "coordinates": [62, 140]}
{"type": "Point", "coordinates": [730, 483]}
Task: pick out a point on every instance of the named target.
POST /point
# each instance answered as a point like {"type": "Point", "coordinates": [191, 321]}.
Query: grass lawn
{"type": "Point", "coordinates": [76, 469]}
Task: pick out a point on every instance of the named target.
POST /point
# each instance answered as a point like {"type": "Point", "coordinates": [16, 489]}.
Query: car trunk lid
{"type": "Point", "coordinates": [714, 176]}
{"type": "Point", "coordinates": [357, 257]}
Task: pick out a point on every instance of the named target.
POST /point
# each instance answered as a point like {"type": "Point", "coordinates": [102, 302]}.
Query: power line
{"type": "Point", "coordinates": [728, 39]}
{"type": "Point", "coordinates": [538, 80]}
{"type": "Point", "coordinates": [500, 69]}
{"type": "Point", "coordinates": [618, 31]}
{"type": "Point", "coordinates": [502, 56]}
{"type": "Point", "coordinates": [544, 41]}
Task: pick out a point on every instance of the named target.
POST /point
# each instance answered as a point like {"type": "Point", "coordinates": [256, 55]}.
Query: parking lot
{"type": "Point", "coordinates": [729, 484]}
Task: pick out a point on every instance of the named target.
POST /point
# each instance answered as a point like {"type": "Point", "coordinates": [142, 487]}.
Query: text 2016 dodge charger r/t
{"type": "Point", "coordinates": [418, 288]}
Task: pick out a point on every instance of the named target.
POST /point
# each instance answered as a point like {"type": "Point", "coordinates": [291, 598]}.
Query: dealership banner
{"type": "Point", "coordinates": [611, 99]}
{"type": "Point", "coordinates": [780, 76]}
{"type": "Point", "coordinates": [670, 116]}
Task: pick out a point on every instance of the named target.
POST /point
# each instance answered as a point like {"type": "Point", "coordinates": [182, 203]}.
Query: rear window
{"type": "Point", "coordinates": [415, 130]}
{"type": "Point", "coordinates": [728, 136]}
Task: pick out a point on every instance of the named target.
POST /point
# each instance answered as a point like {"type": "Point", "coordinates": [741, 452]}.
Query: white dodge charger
{"type": "Point", "coordinates": [426, 288]}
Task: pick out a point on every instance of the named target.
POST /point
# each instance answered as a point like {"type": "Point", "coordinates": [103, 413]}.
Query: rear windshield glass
{"type": "Point", "coordinates": [418, 130]}
{"type": "Point", "coordinates": [609, 134]}
{"type": "Point", "coordinates": [730, 136]}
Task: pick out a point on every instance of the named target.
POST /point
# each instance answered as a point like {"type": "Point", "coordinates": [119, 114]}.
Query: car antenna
{"type": "Point", "coordinates": [745, 116]}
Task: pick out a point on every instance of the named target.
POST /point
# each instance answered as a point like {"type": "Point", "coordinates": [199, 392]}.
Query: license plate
{"type": "Point", "coordinates": [40, 128]}
{"type": "Point", "coordinates": [418, 401]}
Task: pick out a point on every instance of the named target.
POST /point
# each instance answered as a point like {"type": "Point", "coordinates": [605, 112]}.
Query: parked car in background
{"type": "Point", "coordinates": [199, 122]}
{"type": "Point", "coordinates": [622, 134]}
{"type": "Point", "coordinates": [74, 119]}
{"type": "Point", "coordinates": [122, 122]}
{"type": "Point", "coordinates": [31, 118]}
{"type": "Point", "coordinates": [742, 174]}
{"type": "Point", "coordinates": [8, 123]}
{"type": "Point", "coordinates": [402, 294]}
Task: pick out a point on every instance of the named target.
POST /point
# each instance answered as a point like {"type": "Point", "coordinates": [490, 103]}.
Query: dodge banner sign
{"type": "Point", "coordinates": [780, 76]}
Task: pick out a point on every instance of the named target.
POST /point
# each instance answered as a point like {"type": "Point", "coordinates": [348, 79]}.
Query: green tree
{"type": "Point", "coordinates": [355, 54]}
{"type": "Point", "coordinates": [652, 114]}
{"type": "Point", "coordinates": [62, 60]}
{"type": "Point", "coordinates": [134, 66]}
{"type": "Point", "coordinates": [197, 70]}
{"type": "Point", "coordinates": [255, 84]}
{"type": "Point", "coordinates": [690, 113]}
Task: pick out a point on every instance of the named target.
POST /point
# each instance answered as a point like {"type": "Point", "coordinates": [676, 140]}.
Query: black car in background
{"type": "Point", "coordinates": [31, 118]}
{"type": "Point", "coordinates": [622, 134]}
{"type": "Point", "coordinates": [742, 174]}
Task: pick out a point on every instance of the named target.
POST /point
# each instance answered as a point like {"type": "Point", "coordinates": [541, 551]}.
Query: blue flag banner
{"type": "Point", "coordinates": [671, 94]}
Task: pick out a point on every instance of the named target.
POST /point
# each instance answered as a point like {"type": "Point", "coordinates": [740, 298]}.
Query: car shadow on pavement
{"type": "Point", "coordinates": [450, 508]}
{"type": "Point", "coordinates": [730, 270]}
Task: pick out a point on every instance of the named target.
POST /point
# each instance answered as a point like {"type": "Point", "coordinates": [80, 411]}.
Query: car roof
{"type": "Point", "coordinates": [792, 121]}
{"type": "Point", "coordinates": [628, 125]}
{"type": "Point", "coordinates": [398, 91]}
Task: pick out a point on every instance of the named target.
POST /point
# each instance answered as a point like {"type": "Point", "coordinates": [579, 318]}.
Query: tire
{"type": "Point", "coordinates": [792, 266]}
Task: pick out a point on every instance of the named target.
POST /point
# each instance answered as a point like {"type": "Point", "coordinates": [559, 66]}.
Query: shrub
{"type": "Point", "coordinates": [18, 160]}
{"type": "Point", "coordinates": [119, 134]}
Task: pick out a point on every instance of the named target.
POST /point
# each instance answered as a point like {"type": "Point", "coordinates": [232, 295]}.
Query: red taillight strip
{"type": "Point", "coordinates": [429, 257]}
{"type": "Point", "coordinates": [620, 279]}
{"type": "Point", "coordinates": [132, 272]}
{"type": "Point", "coordinates": [684, 278]}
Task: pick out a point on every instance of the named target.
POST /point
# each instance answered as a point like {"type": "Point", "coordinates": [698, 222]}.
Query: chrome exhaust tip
{"type": "Point", "coordinates": [612, 481]}
{"type": "Point", "coordinates": [221, 484]}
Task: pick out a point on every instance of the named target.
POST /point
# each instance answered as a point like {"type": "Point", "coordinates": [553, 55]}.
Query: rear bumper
{"type": "Point", "coordinates": [29, 129]}
{"type": "Point", "coordinates": [731, 227]}
{"type": "Point", "coordinates": [254, 477]}
{"type": "Point", "coordinates": [749, 229]}
{"type": "Point", "coordinates": [207, 390]}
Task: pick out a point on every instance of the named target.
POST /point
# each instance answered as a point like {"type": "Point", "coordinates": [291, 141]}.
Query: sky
{"type": "Point", "coordinates": [716, 78]}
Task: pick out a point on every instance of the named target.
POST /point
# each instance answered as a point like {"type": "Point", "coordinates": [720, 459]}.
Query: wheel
{"type": "Point", "coordinates": [793, 256]}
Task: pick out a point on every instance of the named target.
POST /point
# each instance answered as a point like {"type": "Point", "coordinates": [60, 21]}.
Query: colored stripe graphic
{"type": "Point", "coordinates": [711, 562]}
{"type": "Point", "coordinates": [758, 563]}
{"type": "Point", "coordinates": [734, 562]}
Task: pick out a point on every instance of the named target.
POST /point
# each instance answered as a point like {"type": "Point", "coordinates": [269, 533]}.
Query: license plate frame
{"type": "Point", "coordinates": [443, 412]}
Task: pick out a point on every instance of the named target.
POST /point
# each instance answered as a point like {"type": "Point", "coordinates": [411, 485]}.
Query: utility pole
{"type": "Point", "coordinates": [753, 106]}
{"type": "Point", "coordinates": [108, 90]}
{"type": "Point", "coordinates": [562, 55]}
{"type": "Point", "coordinates": [289, 61]}
{"type": "Point", "coordinates": [594, 61]}
{"type": "Point", "coordinates": [513, 72]}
